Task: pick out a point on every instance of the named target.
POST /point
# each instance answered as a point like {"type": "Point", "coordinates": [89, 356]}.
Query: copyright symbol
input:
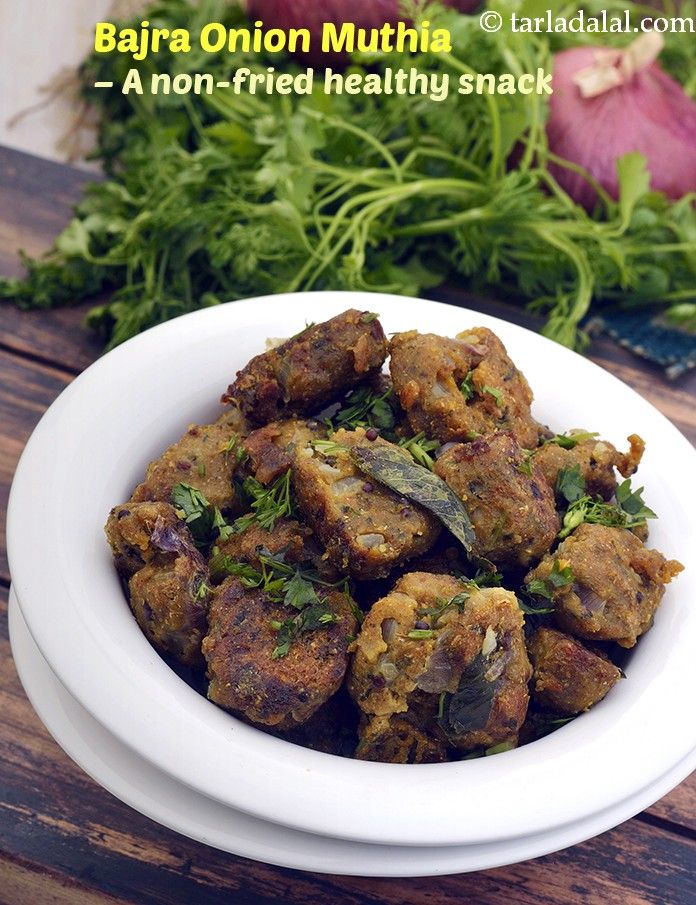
{"type": "Point", "coordinates": [491, 20]}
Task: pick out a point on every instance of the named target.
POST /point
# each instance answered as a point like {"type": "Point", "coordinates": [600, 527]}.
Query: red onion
{"type": "Point", "coordinates": [312, 14]}
{"type": "Point", "coordinates": [607, 103]}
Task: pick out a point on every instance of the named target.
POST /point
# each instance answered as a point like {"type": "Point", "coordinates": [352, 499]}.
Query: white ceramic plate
{"type": "Point", "coordinates": [90, 449]}
{"type": "Point", "coordinates": [159, 797]}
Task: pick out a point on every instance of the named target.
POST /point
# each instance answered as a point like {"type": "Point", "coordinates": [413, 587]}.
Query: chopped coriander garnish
{"type": "Point", "coordinates": [570, 484]}
{"type": "Point", "coordinates": [495, 393]}
{"type": "Point", "coordinates": [312, 617]}
{"type": "Point", "coordinates": [234, 446]}
{"type": "Point", "coordinates": [442, 604]}
{"type": "Point", "coordinates": [420, 634]}
{"type": "Point", "coordinates": [526, 465]}
{"type": "Point", "coordinates": [202, 591]}
{"type": "Point", "coordinates": [632, 504]}
{"type": "Point", "coordinates": [368, 317]}
{"type": "Point", "coordinates": [204, 521]}
{"type": "Point", "coordinates": [629, 511]}
{"type": "Point", "coordinates": [570, 441]}
{"type": "Point", "coordinates": [268, 503]}
{"type": "Point", "coordinates": [201, 469]}
{"type": "Point", "coordinates": [466, 387]}
{"type": "Point", "coordinates": [559, 576]}
{"type": "Point", "coordinates": [420, 448]}
{"type": "Point", "coordinates": [328, 447]}
{"type": "Point", "coordinates": [486, 578]}
{"type": "Point", "coordinates": [291, 585]}
{"type": "Point", "coordinates": [363, 407]}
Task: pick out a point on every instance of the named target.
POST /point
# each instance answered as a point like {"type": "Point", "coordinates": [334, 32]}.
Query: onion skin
{"type": "Point", "coordinates": [312, 14]}
{"type": "Point", "coordinates": [650, 114]}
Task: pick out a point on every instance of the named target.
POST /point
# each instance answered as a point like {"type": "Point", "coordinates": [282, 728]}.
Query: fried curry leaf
{"type": "Point", "coordinates": [570, 484]}
{"type": "Point", "coordinates": [391, 467]}
{"type": "Point", "coordinates": [204, 521]}
{"type": "Point", "coordinates": [469, 708]}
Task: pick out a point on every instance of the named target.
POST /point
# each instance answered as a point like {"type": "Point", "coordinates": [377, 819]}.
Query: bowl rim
{"type": "Point", "coordinates": [495, 798]}
{"type": "Point", "coordinates": [155, 794]}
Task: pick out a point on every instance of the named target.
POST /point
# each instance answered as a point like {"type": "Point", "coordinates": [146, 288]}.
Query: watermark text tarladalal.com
{"type": "Point", "coordinates": [604, 22]}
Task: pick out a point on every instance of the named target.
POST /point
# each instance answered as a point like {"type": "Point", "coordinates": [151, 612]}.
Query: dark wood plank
{"type": "Point", "coordinates": [36, 200]}
{"type": "Point", "coordinates": [56, 337]}
{"type": "Point", "coordinates": [26, 391]}
{"type": "Point", "coordinates": [55, 820]}
{"type": "Point", "coordinates": [26, 884]}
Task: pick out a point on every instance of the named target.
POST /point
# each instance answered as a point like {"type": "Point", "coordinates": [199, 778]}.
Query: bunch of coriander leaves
{"type": "Point", "coordinates": [213, 198]}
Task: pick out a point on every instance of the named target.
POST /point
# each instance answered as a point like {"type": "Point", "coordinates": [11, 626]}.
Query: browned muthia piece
{"type": "Point", "coordinates": [204, 458]}
{"type": "Point", "coordinates": [246, 679]}
{"type": "Point", "coordinates": [596, 460]}
{"type": "Point", "coordinates": [167, 577]}
{"type": "Point", "coordinates": [310, 370]}
{"type": "Point", "coordinates": [458, 389]}
{"type": "Point", "coordinates": [568, 678]}
{"type": "Point", "coordinates": [289, 539]}
{"type": "Point", "coordinates": [457, 675]}
{"type": "Point", "coordinates": [617, 585]}
{"type": "Point", "coordinates": [271, 448]}
{"type": "Point", "coordinates": [366, 528]}
{"type": "Point", "coordinates": [511, 507]}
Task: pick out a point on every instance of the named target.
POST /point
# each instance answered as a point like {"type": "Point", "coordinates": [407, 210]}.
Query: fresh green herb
{"type": "Point", "coordinates": [559, 577]}
{"type": "Point", "coordinates": [632, 504]}
{"type": "Point", "coordinates": [216, 197]}
{"type": "Point", "coordinates": [234, 448]}
{"type": "Point", "coordinates": [486, 578]}
{"type": "Point", "coordinates": [222, 565]}
{"type": "Point", "coordinates": [307, 326]}
{"type": "Point", "coordinates": [571, 440]}
{"type": "Point", "coordinates": [293, 586]}
{"type": "Point", "coordinates": [202, 591]}
{"type": "Point", "coordinates": [368, 317]}
{"type": "Point", "coordinates": [466, 387]}
{"type": "Point", "coordinates": [570, 484]}
{"type": "Point", "coordinates": [328, 447]}
{"type": "Point", "coordinates": [420, 634]}
{"type": "Point", "coordinates": [365, 408]}
{"type": "Point", "coordinates": [530, 608]}
{"type": "Point", "coordinates": [420, 448]}
{"type": "Point", "coordinates": [390, 466]}
{"type": "Point", "coordinates": [495, 393]}
{"type": "Point", "coordinates": [314, 616]}
{"type": "Point", "coordinates": [629, 511]}
{"type": "Point", "coordinates": [458, 601]}
{"type": "Point", "coordinates": [545, 724]}
{"type": "Point", "coordinates": [500, 748]}
{"type": "Point", "coordinates": [201, 469]}
{"type": "Point", "coordinates": [204, 521]}
{"type": "Point", "coordinates": [268, 503]}
{"type": "Point", "coordinates": [526, 466]}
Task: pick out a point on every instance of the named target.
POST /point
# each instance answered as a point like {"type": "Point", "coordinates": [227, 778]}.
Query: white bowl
{"type": "Point", "coordinates": [90, 449]}
{"type": "Point", "coordinates": [158, 796]}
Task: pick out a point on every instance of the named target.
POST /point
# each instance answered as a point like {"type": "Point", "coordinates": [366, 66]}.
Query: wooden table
{"type": "Point", "coordinates": [64, 840]}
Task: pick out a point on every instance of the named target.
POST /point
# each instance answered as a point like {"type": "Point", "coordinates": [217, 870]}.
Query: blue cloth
{"type": "Point", "coordinates": [646, 334]}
